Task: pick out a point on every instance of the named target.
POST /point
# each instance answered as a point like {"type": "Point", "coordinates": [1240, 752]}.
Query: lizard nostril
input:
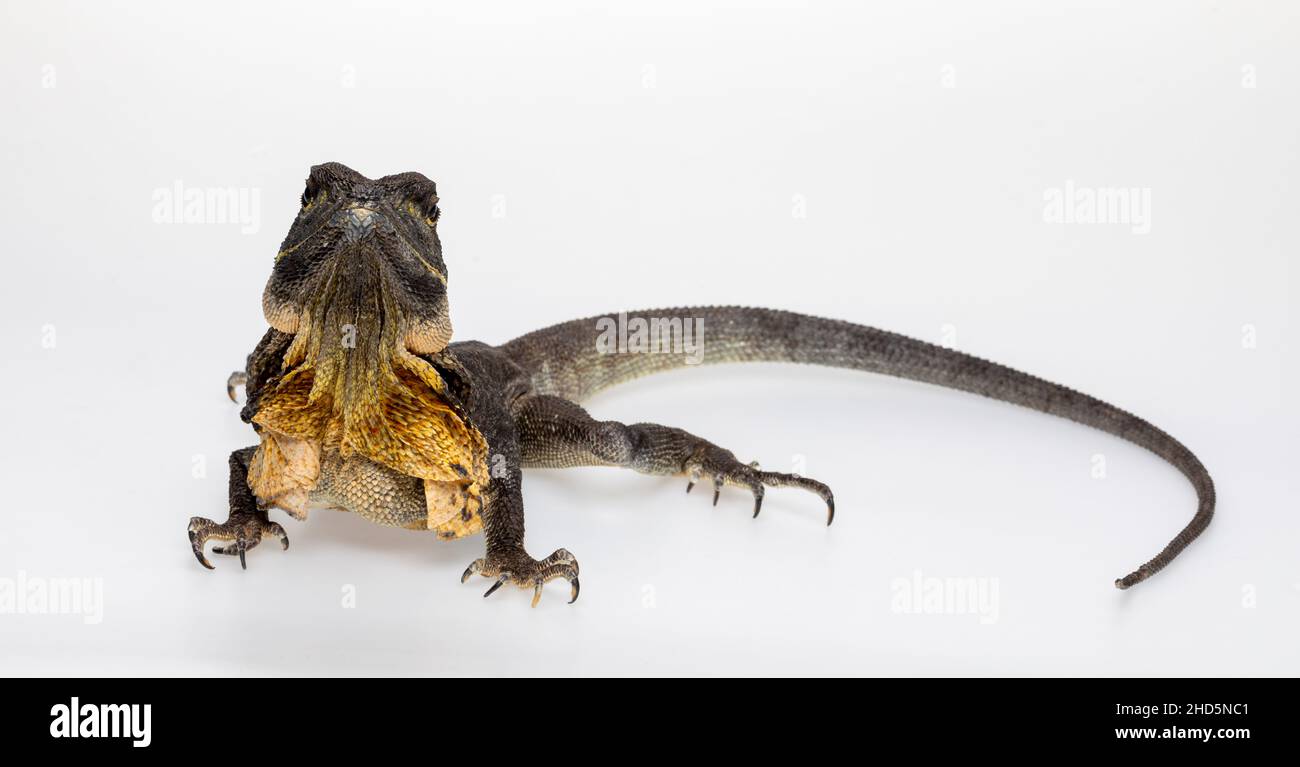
{"type": "Point", "coordinates": [359, 223]}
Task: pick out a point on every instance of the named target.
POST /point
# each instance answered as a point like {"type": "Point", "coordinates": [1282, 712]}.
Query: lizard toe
{"type": "Point", "coordinates": [726, 470]}
{"type": "Point", "coordinates": [522, 570]}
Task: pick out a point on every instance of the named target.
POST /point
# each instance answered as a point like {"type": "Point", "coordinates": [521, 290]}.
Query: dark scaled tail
{"type": "Point", "coordinates": [578, 358]}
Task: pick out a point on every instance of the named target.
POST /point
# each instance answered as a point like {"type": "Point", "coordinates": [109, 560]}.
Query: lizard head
{"type": "Point", "coordinates": [368, 247]}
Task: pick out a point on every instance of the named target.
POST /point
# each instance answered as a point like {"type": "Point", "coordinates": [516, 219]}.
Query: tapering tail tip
{"type": "Point", "coordinates": [1133, 578]}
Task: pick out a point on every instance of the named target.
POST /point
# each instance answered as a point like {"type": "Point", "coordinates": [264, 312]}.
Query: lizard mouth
{"type": "Point", "coordinates": [422, 337]}
{"type": "Point", "coordinates": [428, 336]}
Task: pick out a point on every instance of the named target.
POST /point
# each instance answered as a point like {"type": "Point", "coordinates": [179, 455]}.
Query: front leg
{"type": "Point", "coordinates": [557, 433]}
{"type": "Point", "coordinates": [506, 560]}
{"type": "Point", "coordinates": [247, 523]}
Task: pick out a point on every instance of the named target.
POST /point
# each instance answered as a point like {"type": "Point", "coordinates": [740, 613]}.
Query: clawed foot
{"type": "Point", "coordinates": [525, 572]}
{"type": "Point", "coordinates": [712, 461]}
{"type": "Point", "coordinates": [236, 379]}
{"type": "Point", "coordinates": [241, 531]}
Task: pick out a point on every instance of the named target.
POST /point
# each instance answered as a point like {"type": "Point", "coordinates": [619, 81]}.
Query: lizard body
{"type": "Point", "coordinates": [362, 403]}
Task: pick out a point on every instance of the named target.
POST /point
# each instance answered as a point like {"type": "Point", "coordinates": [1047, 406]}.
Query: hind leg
{"type": "Point", "coordinates": [557, 433]}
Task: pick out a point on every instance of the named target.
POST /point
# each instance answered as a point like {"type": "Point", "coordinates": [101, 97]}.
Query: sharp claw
{"type": "Point", "coordinates": [758, 504]}
{"type": "Point", "coordinates": [560, 564]}
{"type": "Point", "coordinates": [716, 492]}
{"type": "Point", "coordinates": [243, 563]}
{"type": "Point", "coordinates": [692, 476]}
{"type": "Point", "coordinates": [198, 554]}
{"type": "Point", "coordinates": [500, 582]}
{"type": "Point", "coordinates": [278, 531]}
{"type": "Point", "coordinates": [236, 379]}
{"type": "Point", "coordinates": [830, 511]}
{"type": "Point", "coordinates": [197, 545]}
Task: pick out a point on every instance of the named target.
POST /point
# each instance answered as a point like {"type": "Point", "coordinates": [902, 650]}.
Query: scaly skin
{"type": "Point", "coordinates": [364, 254]}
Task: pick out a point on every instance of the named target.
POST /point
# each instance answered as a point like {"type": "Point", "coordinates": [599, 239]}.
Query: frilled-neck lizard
{"type": "Point", "coordinates": [362, 403]}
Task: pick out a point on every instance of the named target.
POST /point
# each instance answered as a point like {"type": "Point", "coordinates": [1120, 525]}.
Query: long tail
{"type": "Point", "coordinates": [579, 358]}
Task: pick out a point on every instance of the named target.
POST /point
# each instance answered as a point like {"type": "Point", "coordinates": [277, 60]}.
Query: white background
{"type": "Point", "coordinates": [591, 160]}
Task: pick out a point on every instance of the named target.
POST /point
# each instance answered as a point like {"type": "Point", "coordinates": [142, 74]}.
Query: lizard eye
{"type": "Point", "coordinates": [428, 207]}
{"type": "Point", "coordinates": [310, 191]}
